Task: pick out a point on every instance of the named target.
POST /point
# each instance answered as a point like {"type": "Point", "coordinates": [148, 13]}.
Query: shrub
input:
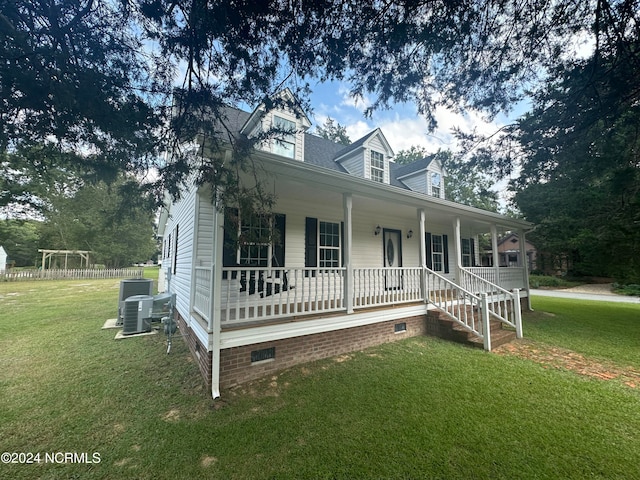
{"type": "Point", "coordinates": [632, 289]}
{"type": "Point", "coordinates": [538, 281]}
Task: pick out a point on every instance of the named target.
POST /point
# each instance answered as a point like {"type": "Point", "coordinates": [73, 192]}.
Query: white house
{"type": "Point", "coordinates": [364, 250]}
{"type": "Point", "coordinates": [3, 260]}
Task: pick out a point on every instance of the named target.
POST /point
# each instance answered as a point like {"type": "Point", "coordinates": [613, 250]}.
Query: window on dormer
{"type": "Point", "coordinates": [285, 143]}
{"type": "Point", "coordinates": [436, 184]}
{"type": "Point", "coordinates": [377, 166]}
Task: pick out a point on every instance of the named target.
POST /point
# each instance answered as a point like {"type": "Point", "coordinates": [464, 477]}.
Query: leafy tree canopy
{"type": "Point", "coordinates": [97, 79]}
{"type": "Point", "coordinates": [581, 165]}
{"type": "Point", "coordinates": [20, 240]}
{"type": "Point", "coordinates": [332, 130]}
{"type": "Point", "coordinates": [465, 182]}
{"type": "Point", "coordinates": [98, 217]}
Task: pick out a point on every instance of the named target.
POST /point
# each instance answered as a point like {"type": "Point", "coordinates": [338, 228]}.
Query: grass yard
{"type": "Point", "coordinates": [420, 408]}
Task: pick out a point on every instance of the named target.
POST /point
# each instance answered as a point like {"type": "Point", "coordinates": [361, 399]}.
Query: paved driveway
{"type": "Point", "coordinates": [587, 292]}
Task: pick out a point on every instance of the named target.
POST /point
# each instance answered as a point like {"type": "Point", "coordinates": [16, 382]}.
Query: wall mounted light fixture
{"type": "Point", "coordinates": [410, 234]}
{"type": "Point", "coordinates": [377, 230]}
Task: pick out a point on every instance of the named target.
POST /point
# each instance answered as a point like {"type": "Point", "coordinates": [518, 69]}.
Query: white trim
{"type": "Point", "coordinates": [199, 331]}
{"type": "Point", "coordinates": [270, 333]}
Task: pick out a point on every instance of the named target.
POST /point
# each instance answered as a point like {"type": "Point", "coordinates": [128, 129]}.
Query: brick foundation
{"type": "Point", "coordinates": [198, 350]}
{"type": "Point", "coordinates": [236, 366]}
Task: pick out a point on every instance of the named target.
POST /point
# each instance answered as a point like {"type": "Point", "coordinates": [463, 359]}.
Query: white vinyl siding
{"type": "Point", "coordinates": [417, 182]}
{"type": "Point", "coordinates": [354, 164]}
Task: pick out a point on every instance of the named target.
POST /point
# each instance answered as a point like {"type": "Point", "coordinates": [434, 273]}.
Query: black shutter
{"type": "Point", "coordinates": [342, 243]}
{"type": "Point", "coordinates": [427, 241]}
{"type": "Point", "coordinates": [229, 249]}
{"type": "Point", "coordinates": [175, 251]}
{"type": "Point", "coordinates": [473, 251]}
{"type": "Point", "coordinates": [445, 250]}
{"type": "Point", "coordinates": [311, 242]}
{"type": "Point", "coordinates": [279, 223]}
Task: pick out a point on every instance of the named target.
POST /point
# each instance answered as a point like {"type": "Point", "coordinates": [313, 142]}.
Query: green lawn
{"type": "Point", "coordinates": [420, 408]}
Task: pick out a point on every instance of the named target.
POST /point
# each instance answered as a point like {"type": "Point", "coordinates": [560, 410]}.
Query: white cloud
{"type": "Point", "coordinates": [348, 100]}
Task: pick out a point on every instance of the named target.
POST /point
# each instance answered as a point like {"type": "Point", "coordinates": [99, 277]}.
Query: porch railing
{"type": "Point", "coordinates": [202, 295]}
{"type": "Point", "coordinates": [261, 293]}
{"type": "Point", "coordinates": [257, 293]}
{"type": "Point", "coordinates": [502, 304]}
{"type": "Point", "coordinates": [507, 277]}
{"type": "Point", "coordinates": [384, 286]}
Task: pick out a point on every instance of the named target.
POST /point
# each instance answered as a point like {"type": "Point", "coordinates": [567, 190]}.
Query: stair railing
{"type": "Point", "coordinates": [502, 304]}
{"type": "Point", "coordinates": [461, 305]}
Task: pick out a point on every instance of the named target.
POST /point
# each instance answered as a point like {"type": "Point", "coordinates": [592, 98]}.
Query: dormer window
{"type": "Point", "coordinates": [377, 166]}
{"type": "Point", "coordinates": [436, 184]}
{"type": "Point", "coordinates": [285, 143]}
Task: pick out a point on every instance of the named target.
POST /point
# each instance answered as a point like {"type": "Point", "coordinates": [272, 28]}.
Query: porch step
{"type": "Point", "coordinates": [440, 325]}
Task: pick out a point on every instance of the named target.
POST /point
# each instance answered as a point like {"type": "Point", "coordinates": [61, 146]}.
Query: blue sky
{"type": "Point", "coordinates": [402, 125]}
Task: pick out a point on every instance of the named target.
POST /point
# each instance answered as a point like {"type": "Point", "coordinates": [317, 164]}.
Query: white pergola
{"type": "Point", "coordinates": [49, 254]}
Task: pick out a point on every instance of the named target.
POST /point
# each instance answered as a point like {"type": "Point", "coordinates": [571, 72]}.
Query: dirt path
{"type": "Point", "coordinates": [563, 359]}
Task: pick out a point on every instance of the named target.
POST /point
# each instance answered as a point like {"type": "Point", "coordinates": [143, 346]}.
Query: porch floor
{"type": "Point", "coordinates": [313, 316]}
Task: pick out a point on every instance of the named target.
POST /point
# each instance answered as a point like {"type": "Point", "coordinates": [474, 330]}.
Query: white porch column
{"type": "Point", "coordinates": [494, 252]}
{"type": "Point", "coordinates": [422, 231]}
{"type": "Point", "coordinates": [347, 201]}
{"type": "Point", "coordinates": [216, 292]}
{"type": "Point", "coordinates": [525, 264]}
{"type": "Point", "coordinates": [423, 253]}
{"type": "Point", "coordinates": [456, 248]}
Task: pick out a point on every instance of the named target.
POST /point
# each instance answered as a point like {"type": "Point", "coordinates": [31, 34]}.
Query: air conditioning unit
{"type": "Point", "coordinates": [163, 305]}
{"type": "Point", "coordinates": [129, 288]}
{"type": "Point", "coordinates": [136, 314]}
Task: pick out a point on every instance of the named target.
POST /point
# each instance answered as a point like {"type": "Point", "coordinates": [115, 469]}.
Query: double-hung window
{"type": "Point", "coordinates": [285, 142]}
{"type": "Point", "coordinates": [437, 253]}
{"type": "Point", "coordinates": [329, 244]}
{"type": "Point", "coordinates": [253, 240]}
{"type": "Point", "coordinates": [467, 260]}
{"type": "Point", "coordinates": [377, 166]}
{"type": "Point", "coordinates": [436, 184]}
{"type": "Point", "coordinates": [255, 244]}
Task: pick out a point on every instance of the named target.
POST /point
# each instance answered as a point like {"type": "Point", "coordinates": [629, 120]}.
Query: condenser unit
{"type": "Point", "coordinates": [136, 314]}
{"type": "Point", "coordinates": [129, 288]}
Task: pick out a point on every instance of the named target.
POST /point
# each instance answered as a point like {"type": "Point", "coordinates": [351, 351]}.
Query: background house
{"type": "Point", "coordinates": [3, 260]}
{"type": "Point", "coordinates": [510, 253]}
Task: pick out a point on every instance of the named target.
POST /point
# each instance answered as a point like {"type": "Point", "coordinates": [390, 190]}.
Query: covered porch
{"type": "Point", "coordinates": [349, 245]}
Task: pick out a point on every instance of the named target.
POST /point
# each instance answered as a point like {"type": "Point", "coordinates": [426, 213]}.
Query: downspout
{"type": "Point", "coordinates": [216, 292]}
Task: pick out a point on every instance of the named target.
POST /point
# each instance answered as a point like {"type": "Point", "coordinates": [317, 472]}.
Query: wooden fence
{"type": "Point", "coordinates": [71, 274]}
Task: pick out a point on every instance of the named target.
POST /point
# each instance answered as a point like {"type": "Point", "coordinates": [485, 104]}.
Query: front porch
{"type": "Point", "coordinates": [254, 296]}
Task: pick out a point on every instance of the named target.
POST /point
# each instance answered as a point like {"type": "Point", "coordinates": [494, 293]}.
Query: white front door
{"type": "Point", "coordinates": [392, 247]}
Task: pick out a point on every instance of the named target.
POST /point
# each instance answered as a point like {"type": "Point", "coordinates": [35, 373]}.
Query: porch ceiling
{"type": "Point", "coordinates": [291, 189]}
{"type": "Point", "coordinates": [296, 180]}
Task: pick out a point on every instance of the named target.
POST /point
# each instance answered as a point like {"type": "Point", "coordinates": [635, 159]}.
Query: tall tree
{"type": "Point", "coordinates": [332, 130]}
{"type": "Point", "coordinates": [102, 219]}
{"type": "Point", "coordinates": [580, 152]}
{"type": "Point", "coordinates": [95, 77]}
{"type": "Point", "coordinates": [20, 239]}
{"type": "Point", "coordinates": [465, 183]}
